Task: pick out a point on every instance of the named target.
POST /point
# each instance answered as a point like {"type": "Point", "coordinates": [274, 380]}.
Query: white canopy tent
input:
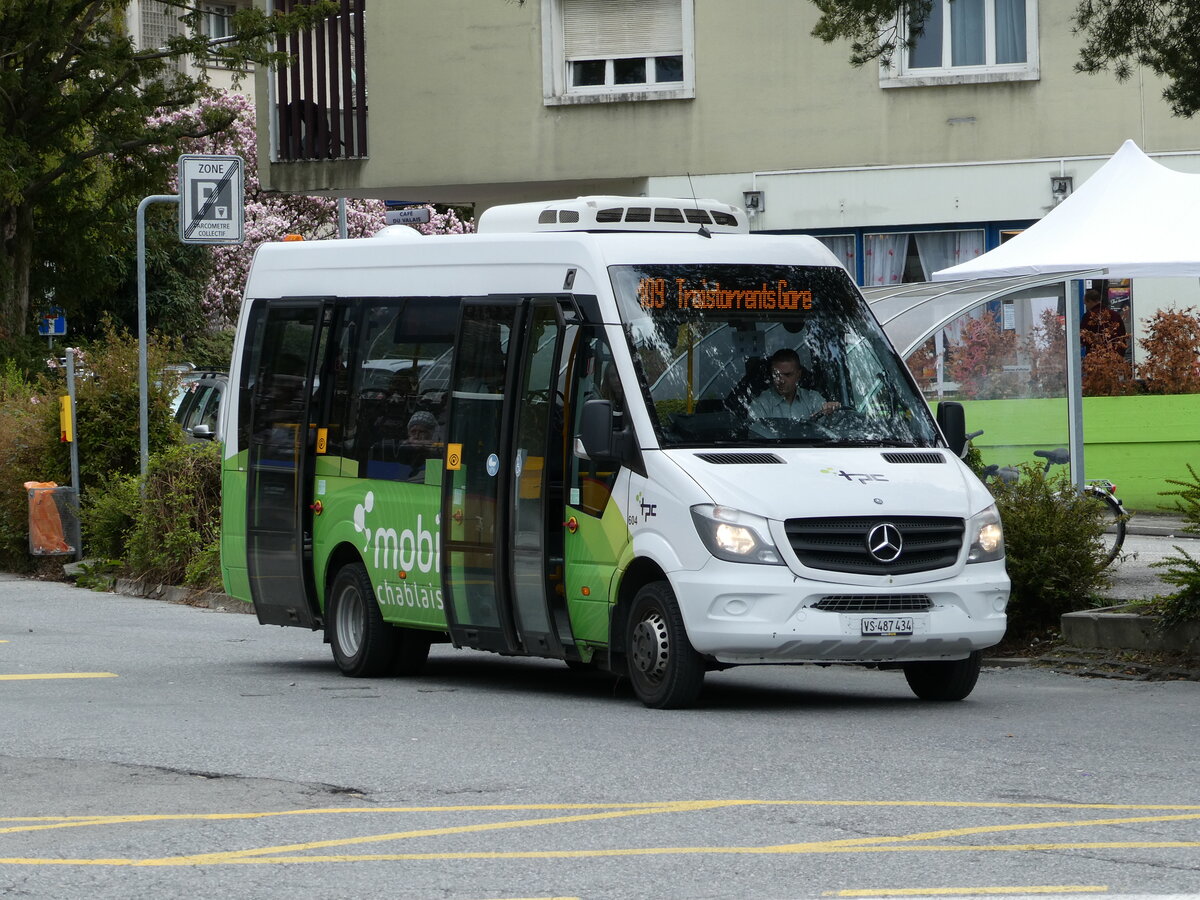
{"type": "Point", "coordinates": [1134, 217]}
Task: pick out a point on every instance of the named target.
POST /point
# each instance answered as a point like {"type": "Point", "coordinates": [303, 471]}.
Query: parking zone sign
{"type": "Point", "coordinates": [212, 199]}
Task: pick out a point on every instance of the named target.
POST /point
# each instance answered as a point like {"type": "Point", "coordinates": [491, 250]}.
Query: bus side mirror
{"type": "Point", "coordinates": [596, 431]}
{"type": "Point", "coordinates": [953, 422]}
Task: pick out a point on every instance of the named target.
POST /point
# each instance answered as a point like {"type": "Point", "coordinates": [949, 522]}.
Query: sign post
{"type": "Point", "coordinates": [211, 199]}
{"type": "Point", "coordinates": [53, 323]}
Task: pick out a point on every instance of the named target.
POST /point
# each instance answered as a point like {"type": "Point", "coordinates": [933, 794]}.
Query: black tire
{"type": "Point", "coordinates": [364, 646]}
{"type": "Point", "coordinates": [1114, 515]}
{"type": "Point", "coordinates": [412, 649]}
{"type": "Point", "coordinates": [665, 670]}
{"type": "Point", "coordinates": [952, 680]}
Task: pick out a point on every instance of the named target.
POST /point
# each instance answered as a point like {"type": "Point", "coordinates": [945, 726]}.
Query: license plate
{"type": "Point", "coordinates": [887, 626]}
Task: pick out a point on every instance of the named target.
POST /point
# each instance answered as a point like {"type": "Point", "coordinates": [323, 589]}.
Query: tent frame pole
{"type": "Point", "coordinates": [1074, 383]}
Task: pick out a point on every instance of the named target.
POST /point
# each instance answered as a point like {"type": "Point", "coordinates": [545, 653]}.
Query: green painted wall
{"type": "Point", "coordinates": [1136, 442]}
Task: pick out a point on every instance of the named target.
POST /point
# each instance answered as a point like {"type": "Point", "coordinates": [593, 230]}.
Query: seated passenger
{"type": "Point", "coordinates": [785, 399]}
{"type": "Point", "coordinates": [422, 428]}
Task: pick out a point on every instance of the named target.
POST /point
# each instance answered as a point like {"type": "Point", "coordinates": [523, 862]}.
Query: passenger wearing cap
{"type": "Point", "coordinates": [422, 427]}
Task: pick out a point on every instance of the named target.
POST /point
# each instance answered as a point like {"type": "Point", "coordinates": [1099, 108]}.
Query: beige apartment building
{"type": "Point", "coordinates": [968, 138]}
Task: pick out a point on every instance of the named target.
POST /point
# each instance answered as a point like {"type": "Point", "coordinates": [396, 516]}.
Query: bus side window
{"type": "Point", "coordinates": [398, 397]}
{"type": "Point", "coordinates": [595, 379]}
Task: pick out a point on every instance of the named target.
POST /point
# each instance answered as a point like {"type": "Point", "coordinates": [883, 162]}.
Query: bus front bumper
{"type": "Point", "coordinates": [741, 614]}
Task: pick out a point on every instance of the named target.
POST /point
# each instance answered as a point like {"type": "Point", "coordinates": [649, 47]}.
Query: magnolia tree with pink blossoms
{"type": "Point", "coordinates": [270, 216]}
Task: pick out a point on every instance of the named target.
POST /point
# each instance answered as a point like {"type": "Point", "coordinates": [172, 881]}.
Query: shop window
{"type": "Point", "coordinates": [842, 246]}
{"type": "Point", "coordinates": [901, 256]}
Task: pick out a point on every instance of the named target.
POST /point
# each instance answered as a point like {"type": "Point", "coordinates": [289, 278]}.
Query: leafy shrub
{"type": "Point", "coordinates": [1053, 542]}
{"type": "Point", "coordinates": [29, 451]}
{"type": "Point", "coordinates": [978, 360]}
{"type": "Point", "coordinates": [1172, 346]}
{"type": "Point", "coordinates": [1104, 371]}
{"type": "Point", "coordinates": [108, 515]}
{"type": "Point", "coordinates": [179, 518]}
{"type": "Point", "coordinates": [106, 407]}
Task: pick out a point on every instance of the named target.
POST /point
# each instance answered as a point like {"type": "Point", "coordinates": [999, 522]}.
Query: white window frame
{"type": "Point", "coordinates": [900, 75]}
{"type": "Point", "coordinates": [557, 89]}
{"type": "Point", "coordinates": [214, 12]}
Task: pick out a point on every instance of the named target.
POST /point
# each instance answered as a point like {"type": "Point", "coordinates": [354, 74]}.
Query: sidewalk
{"type": "Point", "coordinates": [1158, 524]}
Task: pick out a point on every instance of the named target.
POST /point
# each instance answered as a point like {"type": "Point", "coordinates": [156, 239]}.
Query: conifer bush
{"type": "Point", "coordinates": [1182, 571]}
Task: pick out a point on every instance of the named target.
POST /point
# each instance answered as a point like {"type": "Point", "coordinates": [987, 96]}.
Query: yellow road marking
{"type": "Point", "coordinates": [523, 807]}
{"type": "Point", "coordinates": [924, 892]}
{"type": "Point", "coordinates": [589, 854]}
{"type": "Point", "coordinates": [920, 842]}
{"type": "Point", "coordinates": [58, 675]}
{"type": "Point", "coordinates": [684, 806]}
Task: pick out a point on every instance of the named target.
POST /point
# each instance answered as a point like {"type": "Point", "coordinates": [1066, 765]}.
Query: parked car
{"type": "Point", "coordinates": [199, 409]}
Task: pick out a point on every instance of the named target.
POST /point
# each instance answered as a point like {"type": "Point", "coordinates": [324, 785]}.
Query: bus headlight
{"type": "Point", "coordinates": [735, 536]}
{"type": "Point", "coordinates": [987, 536]}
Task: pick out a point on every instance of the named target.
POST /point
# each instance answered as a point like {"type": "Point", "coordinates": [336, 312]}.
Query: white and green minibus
{"type": "Point", "coordinates": [556, 438]}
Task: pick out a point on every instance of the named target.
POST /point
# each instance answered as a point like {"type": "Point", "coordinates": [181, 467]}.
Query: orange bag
{"type": "Point", "coordinates": [45, 524]}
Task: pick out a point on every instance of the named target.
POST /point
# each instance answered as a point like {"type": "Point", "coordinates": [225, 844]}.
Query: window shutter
{"type": "Point", "coordinates": [616, 28]}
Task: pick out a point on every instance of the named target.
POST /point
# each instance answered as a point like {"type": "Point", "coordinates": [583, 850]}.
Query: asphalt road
{"type": "Point", "coordinates": [157, 750]}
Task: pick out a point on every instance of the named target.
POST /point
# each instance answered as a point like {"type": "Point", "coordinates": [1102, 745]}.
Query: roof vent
{"type": "Point", "coordinates": [644, 214]}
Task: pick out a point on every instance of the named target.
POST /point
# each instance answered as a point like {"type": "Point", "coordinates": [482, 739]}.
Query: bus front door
{"type": "Point", "coordinates": [279, 460]}
{"type": "Point", "coordinates": [502, 489]}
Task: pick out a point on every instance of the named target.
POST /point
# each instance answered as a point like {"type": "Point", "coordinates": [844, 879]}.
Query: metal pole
{"type": "Point", "coordinates": [74, 437]}
{"type": "Point", "coordinates": [143, 381]}
{"type": "Point", "coordinates": [1074, 384]}
{"type": "Point", "coordinates": [343, 231]}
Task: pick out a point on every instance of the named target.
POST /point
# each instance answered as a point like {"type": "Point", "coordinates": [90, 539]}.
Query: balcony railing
{"type": "Point", "coordinates": [321, 94]}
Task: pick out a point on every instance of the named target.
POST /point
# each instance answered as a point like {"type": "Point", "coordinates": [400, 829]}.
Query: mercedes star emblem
{"type": "Point", "coordinates": [884, 542]}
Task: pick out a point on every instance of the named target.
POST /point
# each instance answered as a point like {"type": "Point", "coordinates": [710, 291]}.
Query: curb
{"type": "Point", "coordinates": [217, 602]}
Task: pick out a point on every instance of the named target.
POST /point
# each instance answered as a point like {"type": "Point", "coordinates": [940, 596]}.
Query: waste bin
{"type": "Point", "coordinates": [53, 519]}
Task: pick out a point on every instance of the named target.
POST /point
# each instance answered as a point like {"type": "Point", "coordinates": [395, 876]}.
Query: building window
{"type": "Point", "coordinates": [319, 93]}
{"type": "Point", "coordinates": [899, 257]}
{"type": "Point", "coordinates": [842, 246]}
{"type": "Point", "coordinates": [597, 51]}
{"type": "Point", "coordinates": [968, 42]}
{"type": "Point", "coordinates": [217, 21]}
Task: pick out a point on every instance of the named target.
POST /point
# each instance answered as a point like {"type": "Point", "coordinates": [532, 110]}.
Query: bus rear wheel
{"type": "Point", "coordinates": [665, 670]}
{"type": "Point", "coordinates": [364, 646]}
{"type": "Point", "coordinates": [953, 680]}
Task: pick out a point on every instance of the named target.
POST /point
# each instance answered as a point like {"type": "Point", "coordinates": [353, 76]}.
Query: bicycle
{"type": "Point", "coordinates": [1100, 489]}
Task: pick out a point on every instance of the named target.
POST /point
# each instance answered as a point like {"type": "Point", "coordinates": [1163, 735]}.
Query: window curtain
{"type": "Point", "coordinates": [966, 33]}
{"type": "Point", "coordinates": [1010, 31]}
{"type": "Point", "coordinates": [942, 249]}
{"type": "Point", "coordinates": [883, 258]}
{"type": "Point", "coordinates": [842, 246]}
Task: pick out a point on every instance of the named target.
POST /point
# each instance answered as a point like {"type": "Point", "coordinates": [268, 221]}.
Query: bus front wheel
{"type": "Point", "coordinates": [952, 680]}
{"type": "Point", "coordinates": [364, 646]}
{"type": "Point", "coordinates": [665, 670]}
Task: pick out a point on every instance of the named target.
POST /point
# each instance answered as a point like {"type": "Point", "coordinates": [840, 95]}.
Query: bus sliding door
{"type": "Point", "coordinates": [502, 490]}
{"type": "Point", "coordinates": [286, 339]}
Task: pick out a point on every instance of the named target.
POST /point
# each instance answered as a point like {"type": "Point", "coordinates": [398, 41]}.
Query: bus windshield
{"type": "Point", "coordinates": [747, 355]}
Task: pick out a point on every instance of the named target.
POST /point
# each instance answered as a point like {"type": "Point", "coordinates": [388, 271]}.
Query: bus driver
{"type": "Point", "coordinates": [785, 399]}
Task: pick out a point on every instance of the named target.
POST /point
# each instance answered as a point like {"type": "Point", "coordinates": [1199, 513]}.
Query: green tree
{"type": "Point", "coordinates": [75, 99]}
{"type": "Point", "coordinates": [1116, 35]}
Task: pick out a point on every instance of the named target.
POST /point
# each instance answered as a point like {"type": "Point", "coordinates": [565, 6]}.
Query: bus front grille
{"type": "Point", "coordinates": [845, 544]}
{"type": "Point", "coordinates": [874, 603]}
